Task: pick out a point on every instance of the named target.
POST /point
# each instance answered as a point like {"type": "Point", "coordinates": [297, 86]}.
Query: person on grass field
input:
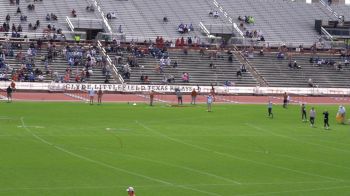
{"type": "Point", "coordinates": [91, 96]}
{"type": "Point", "coordinates": [325, 119]}
{"type": "Point", "coordinates": [99, 96]}
{"type": "Point", "coordinates": [269, 109]}
{"type": "Point", "coordinates": [179, 96]}
{"type": "Point", "coordinates": [210, 100]}
{"type": "Point", "coordinates": [303, 113]}
{"type": "Point", "coordinates": [312, 117]}
{"type": "Point", "coordinates": [285, 100]}
{"type": "Point", "coordinates": [131, 191]}
{"type": "Point", "coordinates": [151, 97]}
{"type": "Point", "coordinates": [193, 96]}
{"type": "Point", "coordinates": [9, 94]}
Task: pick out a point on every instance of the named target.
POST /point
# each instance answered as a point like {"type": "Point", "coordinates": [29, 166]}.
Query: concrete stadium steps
{"type": "Point", "coordinates": [60, 8]}
{"type": "Point", "coordinates": [197, 67]}
{"type": "Point", "coordinates": [58, 65]}
{"type": "Point", "coordinates": [144, 19]}
{"type": "Point", "coordinates": [277, 73]}
{"type": "Point", "coordinates": [280, 21]}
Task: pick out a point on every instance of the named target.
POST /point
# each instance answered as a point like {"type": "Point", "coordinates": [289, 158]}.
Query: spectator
{"type": "Point", "coordinates": [216, 14]}
{"type": "Point", "coordinates": [18, 10]}
{"type": "Point", "coordinates": [8, 17]}
{"type": "Point", "coordinates": [23, 18]}
{"type": "Point", "coordinates": [239, 73]}
{"type": "Point", "coordinates": [165, 19]}
{"type": "Point", "coordinates": [243, 69]}
{"type": "Point", "coordinates": [74, 13]}
{"type": "Point", "coordinates": [310, 83]}
{"type": "Point", "coordinates": [48, 17]}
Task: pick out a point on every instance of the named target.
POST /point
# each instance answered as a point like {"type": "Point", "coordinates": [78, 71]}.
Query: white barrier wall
{"type": "Point", "coordinates": [171, 88]}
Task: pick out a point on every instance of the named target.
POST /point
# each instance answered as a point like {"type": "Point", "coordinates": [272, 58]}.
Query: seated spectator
{"type": "Point", "coordinates": [227, 83]}
{"type": "Point", "coordinates": [171, 79]}
{"type": "Point", "coordinates": [48, 17]}
{"type": "Point", "coordinates": [243, 69]}
{"type": "Point", "coordinates": [211, 65]}
{"type": "Point", "coordinates": [120, 30]}
{"type": "Point", "coordinates": [37, 23]}
{"type": "Point", "coordinates": [108, 16]}
{"type": "Point", "coordinates": [296, 66]}
{"type": "Point", "coordinates": [175, 64]}
{"type": "Point", "coordinates": [18, 10]}
{"type": "Point", "coordinates": [113, 15]}
{"type": "Point", "coordinates": [211, 13]}
{"type": "Point", "coordinates": [74, 13]}
{"type": "Point", "coordinates": [216, 14]}
{"type": "Point", "coordinates": [280, 55]}
{"type": "Point", "coordinates": [310, 83]}
{"type": "Point", "coordinates": [165, 19]}
{"type": "Point", "coordinates": [31, 7]}
{"type": "Point", "coordinates": [23, 18]}
{"type": "Point", "coordinates": [185, 77]}
{"type": "Point", "coordinates": [261, 53]}
{"type": "Point", "coordinates": [8, 17]}
{"type": "Point", "coordinates": [53, 16]}
{"type": "Point", "coordinates": [90, 8]}
{"type": "Point", "coordinates": [239, 73]}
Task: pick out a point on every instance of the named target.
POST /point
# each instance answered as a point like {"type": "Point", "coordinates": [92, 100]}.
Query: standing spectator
{"type": "Point", "coordinates": [151, 98]}
{"type": "Point", "coordinates": [179, 96]}
{"type": "Point", "coordinates": [209, 102]}
{"type": "Point", "coordinates": [285, 100]}
{"type": "Point", "coordinates": [269, 109]}
{"type": "Point", "coordinates": [325, 119]}
{"type": "Point", "coordinates": [91, 95]}
{"type": "Point", "coordinates": [99, 96]}
{"type": "Point", "coordinates": [9, 94]}
{"type": "Point", "coordinates": [303, 113]}
{"type": "Point", "coordinates": [312, 117]}
{"type": "Point", "coordinates": [193, 96]}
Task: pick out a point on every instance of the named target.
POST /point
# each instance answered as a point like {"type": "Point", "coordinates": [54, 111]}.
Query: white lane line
{"type": "Point", "coordinates": [295, 139]}
{"type": "Point", "coordinates": [110, 166]}
{"type": "Point", "coordinates": [36, 127]}
{"type": "Point", "coordinates": [147, 186]}
{"type": "Point", "coordinates": [234, 156]}
{"type": "Point", "coordinates": [295, 191]}
{"type": "Point", "coordinates": [171, 165]}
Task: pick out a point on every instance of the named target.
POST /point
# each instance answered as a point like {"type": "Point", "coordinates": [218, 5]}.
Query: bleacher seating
{"type": "Point", "coordinates": [277, 73]}
{"type": "Point", "coordinates": [143, 20]}
{"type": "Point", "coordinates": [196, 65]}
{"type": "Point", "coordinates": [280, 21]}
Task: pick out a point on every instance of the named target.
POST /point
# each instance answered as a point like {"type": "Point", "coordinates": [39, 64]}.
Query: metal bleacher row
{"type": "Point", "coordinates": [277, 73]}
{"type": "Point", "coordinates": [280, 21]}
{"type": "Point", "coordinates": [198, 68]}
{"type": "Point", "coordinates": [143, 20]}
{"type": "Point", "coordinates": [58, 65]}
{"type": "Point", "coordinates": [60, 8]}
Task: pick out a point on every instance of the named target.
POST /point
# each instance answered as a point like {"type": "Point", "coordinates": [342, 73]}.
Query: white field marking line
{"type": "Point", "coordinates": [76, 96]}
{"type": "Point", "coordinates": [282, 155]}
{"type": "Point", "coordinates": [36, 127]}
{"type": "Point", "coordinates": [226, 100]}
{"type": "Point", "coordinates": [116, 129]}
{"type": "Point", "coordinates": [236, 157]}
{"type": "Point", "coordinates": [150, 186]}
{"type": "Point", "coordinates": [110, 166]}
{"type": "Point", "coordinates": [345, 144]}
{"type": "Point", "coordinates": [295, 191]}
{"type": "Point", "coordinates": [295, 139]}
{"type": "Point", "coordinates": [292, 157]}
{"type": "Point", "coordinates": [321, 162]}
{"type": "Point", "coordinates": [172, 165]}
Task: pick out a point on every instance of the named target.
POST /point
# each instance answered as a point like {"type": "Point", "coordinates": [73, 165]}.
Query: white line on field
{"type": "Point", "coordinates": [234, 156]}
{"type": "Point", "coordinates": [295, 139]}
{"type": "Point", "coordinates": [296, 191]}
{"type": "Point", "coordinates": [111, 166]}
{"type": "Point", "coordinates": [171, 165]}
{"type": "Point", "coordinates": [150, 186]}
{"type": "Point", "coordinates": [36, 127]}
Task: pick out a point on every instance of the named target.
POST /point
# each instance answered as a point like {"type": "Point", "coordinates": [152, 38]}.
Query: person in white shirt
{"type": "Point", "coordinates": [91, 95]}
{"type": "Point", "coordinates": [209, 102]}
{"type": "Point", "coordinates": [312, 117]}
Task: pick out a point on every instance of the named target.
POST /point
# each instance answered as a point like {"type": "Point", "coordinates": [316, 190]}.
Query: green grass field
{"type": "Point", "coordinates": [77, 149]}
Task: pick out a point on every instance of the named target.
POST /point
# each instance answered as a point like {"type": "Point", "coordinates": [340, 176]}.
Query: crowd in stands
{"type": "Point", "coordinates": [246, 19]}
{"type": "Point", "coordinates": [184, 28]}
